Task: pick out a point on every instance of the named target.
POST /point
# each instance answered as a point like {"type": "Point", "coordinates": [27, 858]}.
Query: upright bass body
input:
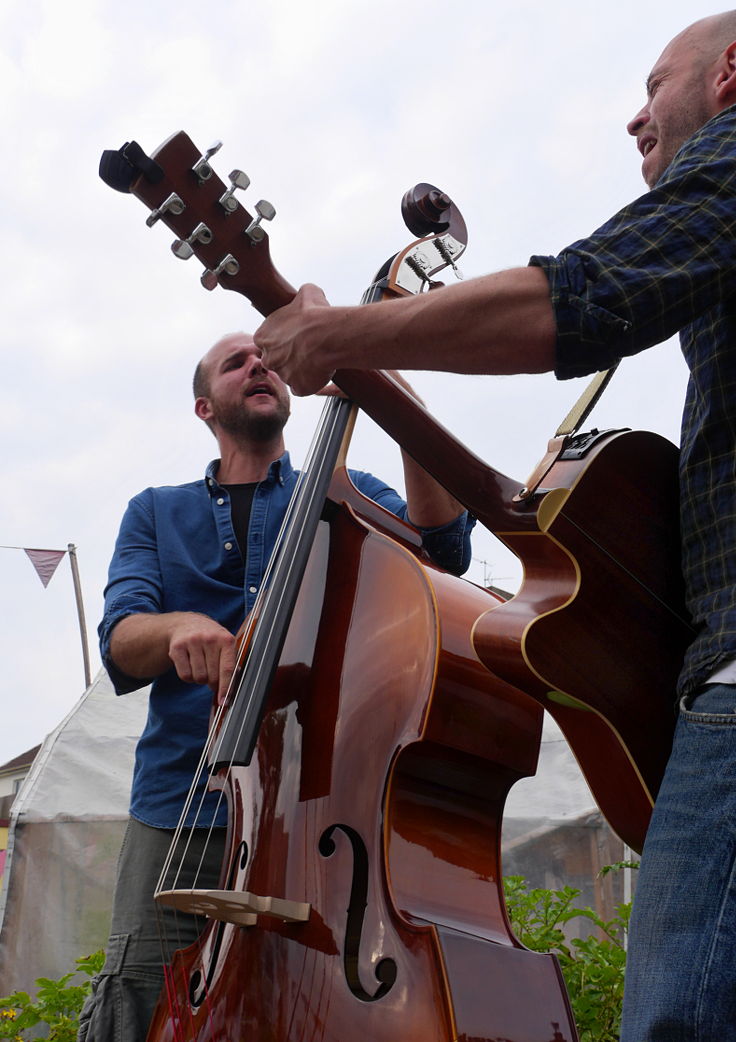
{"type": "Point", "coordinates": [372, 807]}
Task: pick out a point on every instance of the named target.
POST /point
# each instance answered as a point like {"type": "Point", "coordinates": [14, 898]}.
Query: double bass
{"type": "Point", "coordinates": [361, 894]}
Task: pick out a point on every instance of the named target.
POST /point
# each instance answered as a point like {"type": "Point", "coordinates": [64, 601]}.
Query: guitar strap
{"type": "Point", "coordinates": [586, 402]}
{"type": "Point", "coordinates": [571, 423]}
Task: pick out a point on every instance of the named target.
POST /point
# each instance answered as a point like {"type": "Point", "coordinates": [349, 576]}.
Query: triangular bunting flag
{"type": "Point", "coordinates": [45, 562]}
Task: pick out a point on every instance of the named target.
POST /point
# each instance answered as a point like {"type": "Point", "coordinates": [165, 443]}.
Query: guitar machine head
{"type": "Point", "coordinates": [181, 189]}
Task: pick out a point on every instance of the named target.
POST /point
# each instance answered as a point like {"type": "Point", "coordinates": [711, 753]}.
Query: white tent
{"type": "Point", "coordinates": [66, 826]}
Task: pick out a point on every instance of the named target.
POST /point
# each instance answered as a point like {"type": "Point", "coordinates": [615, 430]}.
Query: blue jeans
{"type": "Point", "coordinates": [681, 965]}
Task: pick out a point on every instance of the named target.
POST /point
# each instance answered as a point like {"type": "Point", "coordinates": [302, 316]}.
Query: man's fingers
{"type": "Point", "coordinates": [181, 662]}
{"type": "Point", "coordinates": [227, 667]}
{"type": "Point", "coordinates": [283, 339]}
{"type": "Point", "coordinates": [203, 652]}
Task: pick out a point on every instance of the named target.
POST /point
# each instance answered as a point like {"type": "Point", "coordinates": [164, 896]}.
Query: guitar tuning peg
{"type": "Point", "coordinates": [202, 168]}
{"type": "Point", "coordinates": [183, 248]}
{"type": "Point", "coordinates": [227, 266]}
{"type": "Point", "coordinates": [266, 212]}
{"type": "Point", "coordinates": [238, 179]}
{"type": "Point", "coordinates": [172, 204]}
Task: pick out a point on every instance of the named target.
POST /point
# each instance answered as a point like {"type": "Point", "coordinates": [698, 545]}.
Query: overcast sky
{"type": "Point", "coordinates": [334, 109]}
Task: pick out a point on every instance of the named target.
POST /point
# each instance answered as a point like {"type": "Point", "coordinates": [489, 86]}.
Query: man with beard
{"type": "Point", "coordinates": [187, 566]}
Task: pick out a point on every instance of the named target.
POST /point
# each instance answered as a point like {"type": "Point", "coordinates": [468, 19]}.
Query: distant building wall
{"type": "Point", "coordinates": [10, 781]}
{"type": "Point", "coordinates": [11, 778]}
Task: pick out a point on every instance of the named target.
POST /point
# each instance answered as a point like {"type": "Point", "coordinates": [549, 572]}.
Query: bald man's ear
{"type": "Point", "coordinates": [203, 410]}
{"type": "Point", "coordinates": [725, 86]}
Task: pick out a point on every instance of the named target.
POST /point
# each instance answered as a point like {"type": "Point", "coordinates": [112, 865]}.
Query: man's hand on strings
{"type": "Point", "coordinates": [202, 652]}
{"type": "Point", "coordinates": [146, 645]}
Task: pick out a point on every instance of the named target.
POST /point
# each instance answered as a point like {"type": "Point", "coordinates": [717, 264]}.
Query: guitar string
{"type": "Point", "coordinates": [606, 553]}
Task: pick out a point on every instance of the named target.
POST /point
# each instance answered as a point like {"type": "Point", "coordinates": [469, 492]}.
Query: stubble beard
{"type": "Point", "coordinates": [246, 425]}
{"type": "Point", "coordinates": [692, 114]}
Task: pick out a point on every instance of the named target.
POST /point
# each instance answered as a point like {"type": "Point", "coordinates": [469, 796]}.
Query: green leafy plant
{"type": "Point", "coordinates": [57, 1004]}
{"type": "Point", "coordinates": [593, 966]}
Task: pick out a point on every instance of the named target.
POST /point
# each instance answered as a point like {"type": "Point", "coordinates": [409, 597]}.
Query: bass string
{"type": "Point", "coordinates": [271, 613]}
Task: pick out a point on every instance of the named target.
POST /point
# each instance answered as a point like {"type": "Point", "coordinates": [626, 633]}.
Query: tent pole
{"type": "Point", "coordinates": [80, 612]}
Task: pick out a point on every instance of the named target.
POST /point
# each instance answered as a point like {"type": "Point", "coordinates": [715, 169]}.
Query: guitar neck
{"type": "Point", "coordinates": [185, 190]}
{"type": "Point", "coordinates": [485, 492]}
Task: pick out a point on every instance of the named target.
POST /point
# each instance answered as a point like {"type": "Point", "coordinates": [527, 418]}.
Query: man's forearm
{"type": "Point", "coordinates": [199, 648]}
{"type": "Point", "coordinates": [501, 323]}
{"type": "Point", "coordinates": [139, 645]}
{"type": "Point", "coordinates": [496, 324]}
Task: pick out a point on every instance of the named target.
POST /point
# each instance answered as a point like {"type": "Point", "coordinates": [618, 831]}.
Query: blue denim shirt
{"type": "Point", "coordinates": [177, 551]}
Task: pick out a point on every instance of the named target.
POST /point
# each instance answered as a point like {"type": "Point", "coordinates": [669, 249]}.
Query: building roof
{"type": "Point", "coordinates": [24, 760]}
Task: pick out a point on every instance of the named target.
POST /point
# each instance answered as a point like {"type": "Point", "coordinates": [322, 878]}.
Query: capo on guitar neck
{"type": "Point", "coordinates": [119, 169]}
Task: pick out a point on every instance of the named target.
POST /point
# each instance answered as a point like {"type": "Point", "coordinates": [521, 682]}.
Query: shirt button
{"type": "Point", "coordinates": [228, 546]}
{"type": "Point", "coordinates": [220, 501]}
{"type": "Point", "coordinates": [253, 589]}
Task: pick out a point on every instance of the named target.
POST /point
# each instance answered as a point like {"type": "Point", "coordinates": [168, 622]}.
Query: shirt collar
{"type": "Point", "coordinates": [279, 472]}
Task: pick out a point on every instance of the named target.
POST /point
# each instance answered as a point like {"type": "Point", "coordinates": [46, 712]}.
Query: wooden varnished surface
{"type": "Point", "coordinates": [375, 795]}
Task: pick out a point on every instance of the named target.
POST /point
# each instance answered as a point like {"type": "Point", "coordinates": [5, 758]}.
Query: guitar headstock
{"type": "Point", "coordinates": [180, 187]}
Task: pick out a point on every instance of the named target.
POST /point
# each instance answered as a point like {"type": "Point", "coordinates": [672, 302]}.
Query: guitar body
{"type": "Point", "coordinates": [598, 629]}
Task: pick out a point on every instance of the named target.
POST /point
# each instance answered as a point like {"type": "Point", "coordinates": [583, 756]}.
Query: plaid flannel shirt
{"type": "Point", "coordinates": [663, 264]}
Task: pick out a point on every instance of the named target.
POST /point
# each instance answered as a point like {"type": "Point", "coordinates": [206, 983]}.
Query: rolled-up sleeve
{"type": "Point", "coordinates": [134, 582]}
{"type": "Point", "coordinates": [448, 545]}
{"type": "Point", "coordinates": [656, 265]}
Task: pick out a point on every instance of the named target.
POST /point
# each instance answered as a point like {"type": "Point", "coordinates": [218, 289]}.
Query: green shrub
{"type": "Point", "coordinates": [593, 967]}
{"type": "Point", "coordinates": [57, 1004]}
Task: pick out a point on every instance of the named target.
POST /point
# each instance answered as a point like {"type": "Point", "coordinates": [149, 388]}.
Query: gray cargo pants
{"type": "Point", "coordinates": [124, 994]}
